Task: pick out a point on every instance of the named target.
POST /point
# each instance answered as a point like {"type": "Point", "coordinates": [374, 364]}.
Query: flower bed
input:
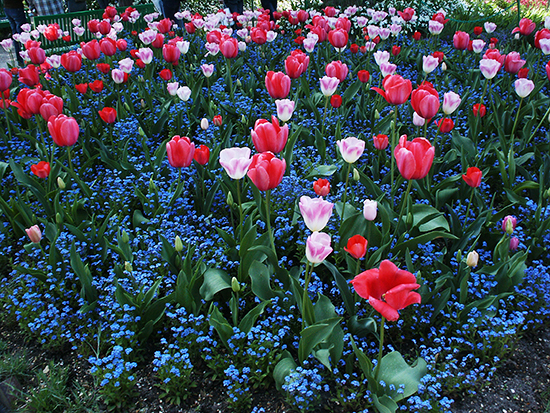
{"type": "Point", "coordinates": [342, 206]}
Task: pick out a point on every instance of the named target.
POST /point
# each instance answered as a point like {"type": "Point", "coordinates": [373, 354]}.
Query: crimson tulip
{"type": "Point", "coordinates": [29, 75]}
{"type": "Point", "coordinates": [108, 115]}
{"type": "Point", "coordinates": [93, 26]}
{"type": "Point", "coordinates": [104, 27]}
{"type": "Point", "coordinates": [51, 32]}
{"type": "Point", "coordinates": [396, 89]}
{"type": "Point", "coordinates": [266, 171]}
{"type": "Point", "coordinates": [277, 84]}
{"type": "Point", "coordinates": [357, 246]}
{"type": "Point", "coordinates": [180, 151]}
{"type": "Point", "coordinates": [258, 36]}
{"type": "Point", "coordinates": [91, 50]}
{"type": "Point", "coordinates": [513, 62]}
{"type": "Point", "coordinates": [103, 68]}
{"type": "Point", "coordinates": [473, 177]}
{"type": "Point", "coordinates": [338, 38]}
{"type": "Point", "coordinates": [445, 125]}
{"type": "Point", "coordinates": [81, 87]}
{"type": "Point", "coordinates": [461, 40]}
{"type": "Point", "coordinates": [121, 45]}
{"type": "Point", "coordinates": [337, 69]}
{"type": "Point", "coordinates": [71, 61]}
{"type": "Point", "coordinates": [171, 53]}
{"type": "Point", "coordinates": [229, 47]}
{"type": "Point", "coordinates": [381, 142]}
{"type": "Point", "coordinates": [165, 74]}
{"type": "Point", "coordinates": [37, 55]}
{"type": "Point", "coordinates": [217, 120]}
{"type": "Point", "coordinates": [268, 136]}
{"type": "Point", "coordinates": [479, 109]}
{"type": "Point", "coordinates": [64, 130]}
{"type": "Point", "coordinates": [407, 14]}
{"type": "Point", "coordinates": [388, 289]}
{"type": "Point", "coordinates": [296, 64]}
{"type": "Point", "coordinates": [395, 50]}
{"type": "Point", "coordinates": [363, 76]}
{"type": "Point", "coordinates": [5, 80]}
{"type": "Point", "coordinates": [107, 46]}
{"type": "Point", "coordinates": [526, 27]}
{"type": "Point", "coordinates": [414, 159]}
{"type": "Point", "coordinates": [96, 86]}
{"type": "Point", "coordinates": [336, 101]}
{"type": "Point", "coordinates": [164, 25]}
{"type": "Point", "coordinates": [41, 169]}
{"type": "Point", "coordinates": [321, 187]}
{"type": "Point", "coordinates": [425, 100]}
{"type": "Point", "coordinates": [202, 155]}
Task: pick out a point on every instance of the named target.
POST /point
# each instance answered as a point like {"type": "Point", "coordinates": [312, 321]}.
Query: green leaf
{"type": "Point", "coordinates": [138, 220]}
{"type": "Point", "coordinates": [283, 368]}
{"type": "Point", "coordinates": [395, 370]}
{"type": "Point", "coordinates": [314, 335]}
{"type": "Point", "coordinates": [343, 286]}
{"type": "Point", "coordinates": [249, 319]}
{"type": "Point", "coordinates": [215, 280]}
{"type": "Point", "coordinates": [384, 404]}
{"type": "Point", "coordinates": [260, 278]}
{"type": "Point", "coordinates": [427, 218]}
{"type": "Point", "coordinates": [222, 326]}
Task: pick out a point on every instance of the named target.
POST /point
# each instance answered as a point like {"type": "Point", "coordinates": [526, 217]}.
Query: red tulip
{"type": "Point", "coordinates": [258, 36]}
{"type": "Point", "coordinates": [91, 50]}
{"type": "Point", "coordinates": [202, 155]}
{"type": "Point", "coordinates": [171, 53]}
{"type": "Point", "coordinates": [357, 246]}
{"type": "Point", "coordinates": [396, 89]}
{"type": "Point", "coordinates": [5, 80]}
{"type": "Point", "coordinates": [107, 46]}
{"type": "Point", "coordinates": [523, 73]}
{"type": "Point", "coordinates": [439, 56]}
{"type": "Point", "coordinates": [526, 27]}
{"type": "Point", "coordinates": [180, 151]}
{"type": "Point", "coordinates": [541, 34]}
{"type": "Point", "coordinates": [108, 114]}
{"type": "Point", "coordinates": [321, 187]}
{"type": "Point", "coordinates": [81, 88]}
{"type": "Point", "coordinates": [51, 32]}
{"type": "Point", "coordinates": [277, 84]}
{"type": "Point", "coordinates": [165, 74]}
{"type": "Point", "coordinates": [388, 289]}
{"type": "Point", "coordinates": [445, 125]}
{"type": "Point", "coordinates": [478, 30]}
{"type": "Point", "coordinates": [29, 75]}
{"type": "Point", "coordinates": [513, 62]}
{"type": "Point", "coordinates": [190, 28]}
{"type": "Point", "coordinates": [425, 100]}
{"type": "Point", "coordinates": [336, 101]}
{"type": "Point", "coordinates": [473, 177]}
{"type": "Point", "coordinates": [164, 26]}
{"type": "Point", "coordinates": [71, 61]}
{"type": "Point", "coordinates": [407, 14]}
{"type": "Point", "coordinates": [338, 38]}
{"type": "Point", "coordinates": [93, 26]}
{"type": "Point", "coordinates": [440, 17]}
{"type": "Point", "coordinates": [363, 76]}
{"type": "Point", "coordinates": [417, 36]}
{"type": "Point", "coordinates": [37, 55]}
{"type": "Point", "coordinates": [354, 48]}
{"type": "Point", "coordinates": [41, 169]}
{"type": "Point", "coordinates": [414, 159]}
{"type": "Point", "coordinates": [268, 136]}
{"type": "Point", "coordinates": [217, 120]}
{"type": "Point", "coordinates": [52, 105]}
{"type": "Point", "coordinates": [461, 40]}
{"type": "Point", "coordinates": [158, 42]}
{"type": "Point", "coordinates": [330, 11]}
{"type": "Point", "coordinates": [104, 27]}
{"type": "Point", "coordinates": [229, 47]}
{"type": "Point", "coordinates": [395, 50]}
{"type": "Point", "coordinates": [103, 68]}
{"type": "Point", "coordinates": [337, 69]}
{"type": "Point", "coordinates": [121, 45]}
{"type": "Point", "coordinates": [64, 130]}
{"type": "Point", "coordinates": [296, 64]}
{"type": "Point", "coordinates": [96, 86]}
{"type": "Point", "coordinates": [29, 102]}
{"type": "Point", "coordinates": [381, 142]}
{"type": "Point", "coordinates": [266, 171]}
{"type": "Point", "coordinates": [479, 109]}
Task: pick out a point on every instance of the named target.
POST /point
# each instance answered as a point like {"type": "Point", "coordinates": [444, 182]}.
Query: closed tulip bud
{"type": "Point", "coordinates": [204, 123]}
{"type": "Point", "coordinates": [58, 219]}
{"type": "Point", "coordinates": [370, 209]}
{"type": "Point", "coordinates": [444, 66]}
{"type": "Point", "coordinates": [410, 219]}
{"type": "Point", "coordinates": [143, 105]}
{"type": "Point", "coordinates": [472, 259]}
{"type": "Point", "coordinates": [459, 256]}
{"type": "Point", "coordinates": [238, 83]}
{"type": "Point", "coordinates": [356, 176]}
{"type": "Point", "coordinates": [229, 199]}
{"type": "Point", "coordinates": [61, 183]}
{"type": "Point", "coordinates": [376, 114]}
{"type": "Point", "coordinates": [125, 237]}
{"type": "Point", "coordinates": [152, 186]}
{"type": "Point", "coordinates": [34, 234]}
{"type": "Point", "coordinates": [128, 266]}
{"type": "Point", "coordinates": [235, 286]}
{"type": "Point", "coordinates": [218, 120]}
{"type": "Point", "coordinates": [509, 224]}
{"type": "Point", "coordinates": [178, 244]}
{"type": "Point", "coordinates": [140, 131]}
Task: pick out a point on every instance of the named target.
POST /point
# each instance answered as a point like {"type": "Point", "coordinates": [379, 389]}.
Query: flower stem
{"type": "Point", "coordinates": [393, 145]}
{"type": "Point", "coordinates": [7, 120]}
{"type": "Point", "coordinates": [404, 201]}
{"type": "Point", "coordinates": [268, 220]}
{"type": "Point", "coordinates": [380, 348]}
{"type": "Point", "coordinates": [515, 124]}
{"type": "Point", "coordinates": [345, 192]}
{"type": "Point", "coordinates": [538, 126]}
{"type": "Point", "coordinates": [240, 210]}
{"type": "Point", "coordinates": [469, 205]}
{"type": "Point", "coordinates": [309, 270]}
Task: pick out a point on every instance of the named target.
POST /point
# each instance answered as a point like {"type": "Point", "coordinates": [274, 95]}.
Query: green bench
{"type": "Point", "coordinates": [4, 23]}
{"type": "Point", "coordinates": [65, 23]}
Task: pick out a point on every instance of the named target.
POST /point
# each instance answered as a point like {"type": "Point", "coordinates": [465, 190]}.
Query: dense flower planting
{"type": "Point", "coordinates": [345, 205]}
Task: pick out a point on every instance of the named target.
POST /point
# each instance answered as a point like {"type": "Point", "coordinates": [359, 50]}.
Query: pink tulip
{"type": "Point", "coordinates": [414, 159]}
{"type": "Point", "coordinates": [513, 62]}
{"type": "Point", "coordinates": [351, 148]}
{"type": "Point", "coordinates": [418, 120]}
{"type": "Point", "coordinates": [117, 75]}
{"type": "Point", "coordinates": [337, 69]}
{"type": "Point", "coordinates": [526, 27]}
{"type": "Point", "coordinates": [172, 88]}
{"type": "Point", "coordinates": [285, 109]}
{"type": "Point", "coordinates": [207, 70]}
{"type": "Point", "coordinates": [180, 151]}
{"type": "Point", "coordinates": [489, 67]}
{"type": "Point", "coordinates": [524, 87]}
{"type": "Point", "coordinates": [329, 85]}
{"type": "Point", "coordinates": [387, 69]}
{"type": "Point", "coordinates": [316, 212]}
{"type": "Point", "coordinates": [34, 234]}
{"type": "Point", "coordinates": [451, 102]}
{"type": "Point", "coordinates": [370, 209]}
{"type": "Point", "coordinates": [235, 161]}
{"type": "Point", "coordinates": [266, 171]}
{"type": "Point", "coordinates": [64, 130]}
{"type": "Point", "coordinates": [318, 247]}
{"type": "Point", "coordinates": [277, 84]}
{"type": "Point", "coordinates": [429, 64]}
{"type": "Point", "coordinates": [461, 40]}
{"type": "Point", "coordinates": [145, 54]}
{"type": "Point", "coordinates": [268, 136]}
{"type": "Point", "coordinates": [478, 45]}
{"type": "Point", "coordinates": [126, 65]}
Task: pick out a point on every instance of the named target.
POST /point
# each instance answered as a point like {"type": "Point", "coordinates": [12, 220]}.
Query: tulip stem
{"type": "Point", "coordinates": [325, 115]}
{"type": "Point", "coordinates": [515, 124]}
{"type": "Point", "coordinates": [380, 349]}
{"type": "Point", "coordinates": [345, 192]}
{"type": "Point", "coordinates": [469, 205]}
{"type": "Point", "coordinates": [538, 126]}
{"type": "Point", "coordinates": [309, 270]}
{"type": "Point", "coordinates": [404, 201]}
{"type": "Point", "coordinates": [69, 157]}
{"type": "Point", "coordinates": [240, 210]}
{"type": "Point", "coordinates": [268, 221]}
{"type": "Point", "coordinates": [393, 145]}
{"type": "Point", "coordinates": [7, 120]}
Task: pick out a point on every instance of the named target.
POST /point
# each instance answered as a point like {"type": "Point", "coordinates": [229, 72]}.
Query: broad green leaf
{"type": "Point", "coordinates": [215, 280]}
{"type": "Point", "coordinates": [395, 370]}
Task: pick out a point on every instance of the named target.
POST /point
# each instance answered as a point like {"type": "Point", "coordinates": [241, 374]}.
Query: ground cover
{"type": "Point", "coordinates": [346, 210]}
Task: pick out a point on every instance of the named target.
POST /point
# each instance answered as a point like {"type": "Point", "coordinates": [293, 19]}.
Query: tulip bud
{"type": "Point", "coordinates": [459, 256]}
{"type": "Point", "coordinates": [546, 193]}
{"type": "Point", "coordinates": [58, 219]}
{"type": "Point", "coordinates": [141, 79]}
{"type": "Point", "coordinates": [514, 243]}
{"type": "Point", "coordinates": [34, 234]}
{"type": "Point", "coordinates": [204, 123]}
{"type": "Point", "coordinates": [128, 266]}
{"type": "Point", "coordinates": [125, 237]}
{"type": "Point", "coordinates": [410, 219]}
{"type": "Point", "coordinates": [140, 131]}
{"type": "Point", "coordinates": [61, 183]}
{"type": "Point", "coordinates": [370, 209]}
{"type": "Point", "coordinates": [443, 66]}
{"type": "Point", "coordinates": [238, 83]}
{"type": "Point", "coordinates": [235, 286]}
{"type": "Point", "coordinates": [143, 105]}
{"type": "Point", "coordinates": [243, 119]}
{"type": "Point", "coordinates": [376, 114]}
{"type": "Point", "coordinates": [356, 176]}
{"type": "Point", "coordinates": [127, 106]}
{"type": "Point", "coordinates": [509, 227]}
{"type": "Point", "coordinates": [472, 259]}
{"type": "Point", "coordinates": [178, 245]}
{"type": "Point", "coordinates": [230, 199]}
{"type": "Point", "coordinates": [152, 186]}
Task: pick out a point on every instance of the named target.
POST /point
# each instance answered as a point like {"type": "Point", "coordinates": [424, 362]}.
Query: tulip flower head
{"type": "Point", "coordinates": [451, 102]}
{"type": "Point", "coordinates": [473, 177]}
{"type": "Point", "coordinates": [321, 187]}
{"type": "Point", "coordinates": [396, 89]}
{"type": "Point", "coordinates": [479, 109]}
{"type": "Point", "coordinates": [41, 169]}
{"type": "Point", "coordinates": [316, 212]}
{"type": "Point", "coordinates": [329, 85]}
{"type": "Point", "coordinates": [202, 154]}
{"type": "Point", "coordinates": [388, 289]}
{"type": "Point", "coordinates": [108, 115]}
{"type": "Point", "coordinates": [351, 148]}
{"type": "Point", "coordinates": [509, 224]}
{"type": "Point", "coordinates": [370, 209]}
{"type": "Point", "coordinates": [64, 130]}
{"type": "Point", "coordinates": [235, 161]}
{"type": "Point", "coordinates": [180, 151]}
{"type": "Point", "coordinates": [524, 87]}
{"type": "Point", "coordinates": [472, 259]}
{"type": "Point", "coordinates": [357, 246]}
{"type": "Point", "coordinates": [285, 109]}
{"type": "Point", "coordinates": [414, 159]}
{"type": "Point", "coordinates": [318, 247]}
{"type": "Point", "coordinates": [277, 84]}
{"type": "Point", "coordinates": [489, 67]}
{"type": "Point", "coordinates": [266, 171]}
{"type": "Point", "coordinates": [34, 234]}
{"type": "Point", "coordinates": [429, 64]}
{"type": "Point", "coordinates": [268, 136]}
